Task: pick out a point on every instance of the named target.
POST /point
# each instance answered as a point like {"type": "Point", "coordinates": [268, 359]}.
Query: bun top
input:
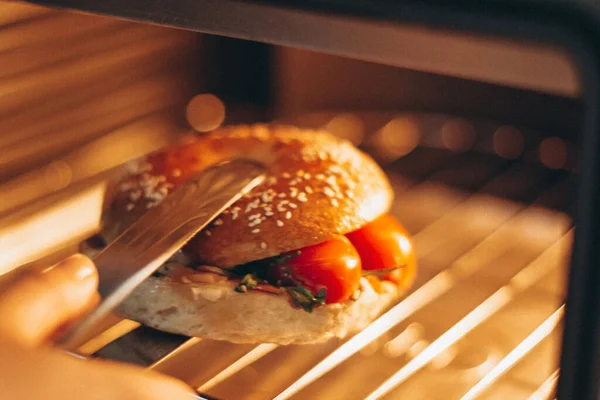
{"type": "Point", "coordinates": [317, 186]}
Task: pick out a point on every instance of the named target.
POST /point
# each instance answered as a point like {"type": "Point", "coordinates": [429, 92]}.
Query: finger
{"type": "Point", "coordinates": [62, 330]}
{"type": "Point", "coordinates": [38, 304]}
{"type": "Point", "coordinates": [52, 375]}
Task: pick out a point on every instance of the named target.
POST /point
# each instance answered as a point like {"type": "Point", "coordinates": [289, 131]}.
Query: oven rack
{"type": "Point", "coordinates": [485, 262]}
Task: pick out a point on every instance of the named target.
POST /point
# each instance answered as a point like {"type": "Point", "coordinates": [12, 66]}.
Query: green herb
{"type": "Point", "coordinates": [382, 271]}
{"type": "Point", "coordinates": [285, 257]}
{"type": "Point", "coordinates": [252, 276]}
{"type": "Point", "coordinates": [249, 282]}
{"type": "Point", "coordinates": [302, 297]}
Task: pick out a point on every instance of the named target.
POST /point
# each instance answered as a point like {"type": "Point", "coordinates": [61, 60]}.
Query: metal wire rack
{"type": "Point", "coordinates": [493, 238]}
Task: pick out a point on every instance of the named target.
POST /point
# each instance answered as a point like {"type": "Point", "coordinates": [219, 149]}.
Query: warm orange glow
{"type": "Point", "coordinates": [397, 138]}
{"type": "Point", "coordinates": [205, 112]}
{"type": "Point", "coordinates": [458, 135]}
{"type": "Point", "coordinates": [508, 142]}
{"type": "Point", "coordinates": [347, 126]}
{"type": "Point", "coordinates": [57, 175]}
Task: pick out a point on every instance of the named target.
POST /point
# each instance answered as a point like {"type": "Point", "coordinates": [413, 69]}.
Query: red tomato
{"type": "Point", "coordinates": [383, 244]}
{"type": "Point", "coordinates": [333, 265]}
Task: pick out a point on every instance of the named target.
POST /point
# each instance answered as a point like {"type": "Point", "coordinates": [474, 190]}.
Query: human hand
{"type": "Point", "coordinates": [32, 311]}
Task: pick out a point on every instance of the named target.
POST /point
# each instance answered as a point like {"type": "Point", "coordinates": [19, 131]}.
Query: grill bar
{"type": "Point", "coordinates": [520, 282]}
{"type": "Point", "coordinates": [431, 290]}
{"type": "Point", "coordinates": [434, 288]}
{"type": "Point", "coordinates": [501, 230]}
{"type": "Point", "coordinates": [547, 388]}
{"type": "Point", "coordinates": [119, 329]}
{"type": "Point", "coordinates": [540, 333]}
{"type": "Point", "coordinates": [253, 355]}
{"type": "Point", "coordinates": [428, 171]}
{"type": "Point", "coordinates": [179, 350]}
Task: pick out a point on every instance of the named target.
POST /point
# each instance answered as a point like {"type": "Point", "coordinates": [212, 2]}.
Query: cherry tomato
{"type": "Point", "coordinates": [383, 244]}
{"type": "Point", "coordinates": [333, 265]}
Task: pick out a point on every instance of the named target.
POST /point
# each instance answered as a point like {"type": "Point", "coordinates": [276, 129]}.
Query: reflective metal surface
{"type": "Point", "coordinates": [143, 247]}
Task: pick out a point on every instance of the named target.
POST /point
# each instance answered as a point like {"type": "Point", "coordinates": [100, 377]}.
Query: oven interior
{"type": "Point", "coordinates": [484, 177]}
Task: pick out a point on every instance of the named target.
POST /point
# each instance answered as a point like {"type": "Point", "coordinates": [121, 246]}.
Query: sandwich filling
{"type": "Point", "coordinates": [326, 273]}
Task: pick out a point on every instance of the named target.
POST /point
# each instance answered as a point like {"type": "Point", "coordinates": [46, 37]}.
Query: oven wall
{"type": "Point", "coordinates": [307, 81]}
{"type": "Point", "coordinates": [68, 79]}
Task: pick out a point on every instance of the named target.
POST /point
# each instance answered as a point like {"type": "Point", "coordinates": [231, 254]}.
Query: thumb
{"type": "Point", "coordinates": [38, 304]}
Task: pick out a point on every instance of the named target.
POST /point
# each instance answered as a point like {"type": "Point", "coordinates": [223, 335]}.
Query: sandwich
{"type": "Point", "coordinates": [310, 254]}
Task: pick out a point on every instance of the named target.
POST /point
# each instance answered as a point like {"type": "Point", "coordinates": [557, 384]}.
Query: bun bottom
{"type": "Point", "coordinates": [216, 311]}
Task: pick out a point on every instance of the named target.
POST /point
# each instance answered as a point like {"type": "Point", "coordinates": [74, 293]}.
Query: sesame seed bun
{"type": "Point", "coordinates": [317, 186]}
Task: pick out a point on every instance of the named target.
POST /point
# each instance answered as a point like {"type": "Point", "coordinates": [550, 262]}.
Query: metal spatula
{"type": "Point", "coordinates": [162, 231]}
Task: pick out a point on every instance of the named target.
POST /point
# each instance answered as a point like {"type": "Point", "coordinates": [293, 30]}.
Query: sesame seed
{"type": "Point", "coordinates": [308, 189]}
{"type": "Point", "coordinates": [208, 233]}
{"type": "Point", "coordinates": [252, 205]}
{"type": "Point", "coordinates": [292, 205]}
{"type": "Point", "coordinates": [293, 192]}
{"type": "Point", "coordinates": [328, 192]}
{"type": "Point", "coordinates": [279, 223]}
{"type": "Point", "coordinates": [266, 197]}
{"type": "Point", "coordinates": [255, 230]}
{"type": "Point", "coordinates": [218, 222]}
{"type": "Point", "coordinates": [281, 195]}
{"type": "Point", "coordinates": [129, 207]}
{"type": "Point", "coordinates": [126, 186]}
{"type": "Point", "coordinates": [135, 196]}
{"type": "Point", "coordinates": [288, 215]}
{"type": "Point", "coordinates": [320, 177]}
{"type": "Point", "coordinates": [307, 176]}
{"type": "Point", "coordinates": [176, 172]}
{"type": "Point", "coordinates": [334, 203]}
{"type": "Point", "coordinates": [286, 175]}
{"type": "Point", "coordinates": [300, 172]}
{"type": "Point", "coordinates": [293, 182]}
{"type": "Point", "coordinates": [268, 213]}
{"type": "Point", "coordinates": [234, 214]}
{"type": "Point", "coordinates": [263, 245]}
{"type": "Point", "coordinates": [302, 197]}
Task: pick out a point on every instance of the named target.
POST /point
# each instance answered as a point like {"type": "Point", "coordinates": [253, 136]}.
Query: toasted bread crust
{"type": "Point", "coordinates": [317, 186]}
